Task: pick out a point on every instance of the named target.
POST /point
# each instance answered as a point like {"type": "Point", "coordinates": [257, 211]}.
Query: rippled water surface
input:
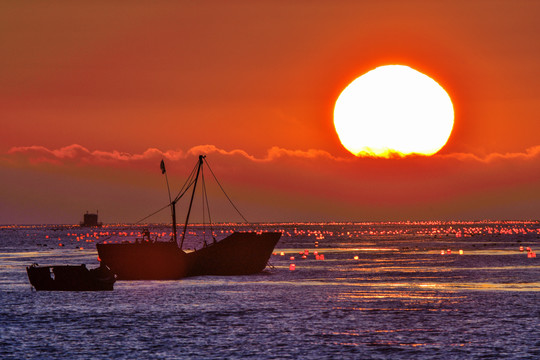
{"type": "Point", "coordinates": [382, 291]}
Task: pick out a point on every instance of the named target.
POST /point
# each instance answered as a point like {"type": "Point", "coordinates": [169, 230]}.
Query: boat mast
{"type": "Point", "coordinates": [201, 157]}
{"type": "Point", "coordinates": [173, 204]}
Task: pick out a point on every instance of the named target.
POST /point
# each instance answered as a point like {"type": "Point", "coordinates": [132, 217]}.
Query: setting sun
{"type": "Point", "coordinates": [393, 110]}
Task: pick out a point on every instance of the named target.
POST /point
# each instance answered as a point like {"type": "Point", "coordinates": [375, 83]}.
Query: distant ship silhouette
{"type": "Point", "coordinates": [241, 253]}
{"type": "Point", "coordinates": [90, 220]}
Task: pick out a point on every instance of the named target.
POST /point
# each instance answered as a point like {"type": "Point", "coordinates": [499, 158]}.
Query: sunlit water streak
{"type": "Point", "coordinates": [400, 298]}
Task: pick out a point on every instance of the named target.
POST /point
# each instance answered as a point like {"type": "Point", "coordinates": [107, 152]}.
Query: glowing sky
{"type": "Point", "coordinates": [94, 94]}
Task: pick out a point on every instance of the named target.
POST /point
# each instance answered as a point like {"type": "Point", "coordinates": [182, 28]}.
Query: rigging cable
{"type": "Point", "coordinates": [152, 214]}
{"type": "Point", "coordinates": [189, 180]}
{"type": "Point", "coordinates": [221, 187]}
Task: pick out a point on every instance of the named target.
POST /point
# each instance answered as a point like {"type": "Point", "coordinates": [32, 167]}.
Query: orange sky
{"type": "Point", "coordinates": [87, 88]}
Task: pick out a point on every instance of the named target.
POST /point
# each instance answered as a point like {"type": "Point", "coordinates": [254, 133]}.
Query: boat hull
{"type": "Point", "coordinates": [241, 253]}
{"type": "Point", "coordinates": [70, 278]}
{"type": "Point", "coordinates": [145, 260]}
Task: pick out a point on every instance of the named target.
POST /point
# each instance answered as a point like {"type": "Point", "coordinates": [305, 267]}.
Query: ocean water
{"type": "Point", "coordinates": [383, 290]}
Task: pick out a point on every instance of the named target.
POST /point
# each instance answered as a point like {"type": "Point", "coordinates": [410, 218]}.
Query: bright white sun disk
{"type": "Point", "coordinates": [393, 110]}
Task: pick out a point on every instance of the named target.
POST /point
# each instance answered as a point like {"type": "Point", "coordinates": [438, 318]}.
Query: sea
{"type": "Point", "coordinates": [397, 290]}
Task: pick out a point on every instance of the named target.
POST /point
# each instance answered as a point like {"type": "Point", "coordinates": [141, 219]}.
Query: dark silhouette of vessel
{"type": "Point", "coordinates": [241, 253]}
{"type": "Point", "coordinates": [90, 220]}
{"type": "Point", "coordinates": [145, 260]}
{"type": "Point", "coordinates": [70, 278]}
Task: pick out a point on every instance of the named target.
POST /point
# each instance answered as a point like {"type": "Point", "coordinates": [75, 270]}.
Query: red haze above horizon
{"type": "Point", "coordinates": [94, 94]}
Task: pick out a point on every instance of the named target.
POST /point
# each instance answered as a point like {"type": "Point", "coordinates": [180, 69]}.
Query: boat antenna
{"type": "Point", "coordinates": [199, 164]}
{"type": "Point", "coordinates": [164, 171]}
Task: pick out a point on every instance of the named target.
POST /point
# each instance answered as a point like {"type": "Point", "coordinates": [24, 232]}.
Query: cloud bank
{"type": "Point", "coordinates": [78, 153]}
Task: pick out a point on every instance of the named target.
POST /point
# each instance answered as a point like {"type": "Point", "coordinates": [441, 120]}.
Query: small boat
{"type": "Point", "coordinates": [241, 253]}
{"type": "Point", "coordinates": [70, 278]}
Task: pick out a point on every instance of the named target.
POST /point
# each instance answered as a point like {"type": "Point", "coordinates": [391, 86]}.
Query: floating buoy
{"type": "Point", "coordinates": [317, 257]}
{"type": "Point", "coordinates": [448, 251]}
{"type": "Point", "coordinates": [282, 253]}
{"type": "Point", "coordinates": [315, 253]}
{"type": "Point", "coordinates": [292, 267]}
{"type": "Point", "coordinates": [306, 252]}
{"type": "Point", "coordinates": [460, 252]}
{"type": "Point", "coordinates": [442, 252]}
{"type": "Point", "coordinates": [356, 257]}
{"type": "Point", "coordinates": [521, 248]}
{"type": "Point", "coordinates": [321, 257]}
{"type": "Point", "coordinates": [291, 258]}
{"type": "Point", "coordinates": [304, 257]}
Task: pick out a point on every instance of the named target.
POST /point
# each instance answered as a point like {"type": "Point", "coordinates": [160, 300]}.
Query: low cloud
{"type": "Point", "coordinates": [78, 153]}
{"type": "Point", "coordinates": [530, 153]}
